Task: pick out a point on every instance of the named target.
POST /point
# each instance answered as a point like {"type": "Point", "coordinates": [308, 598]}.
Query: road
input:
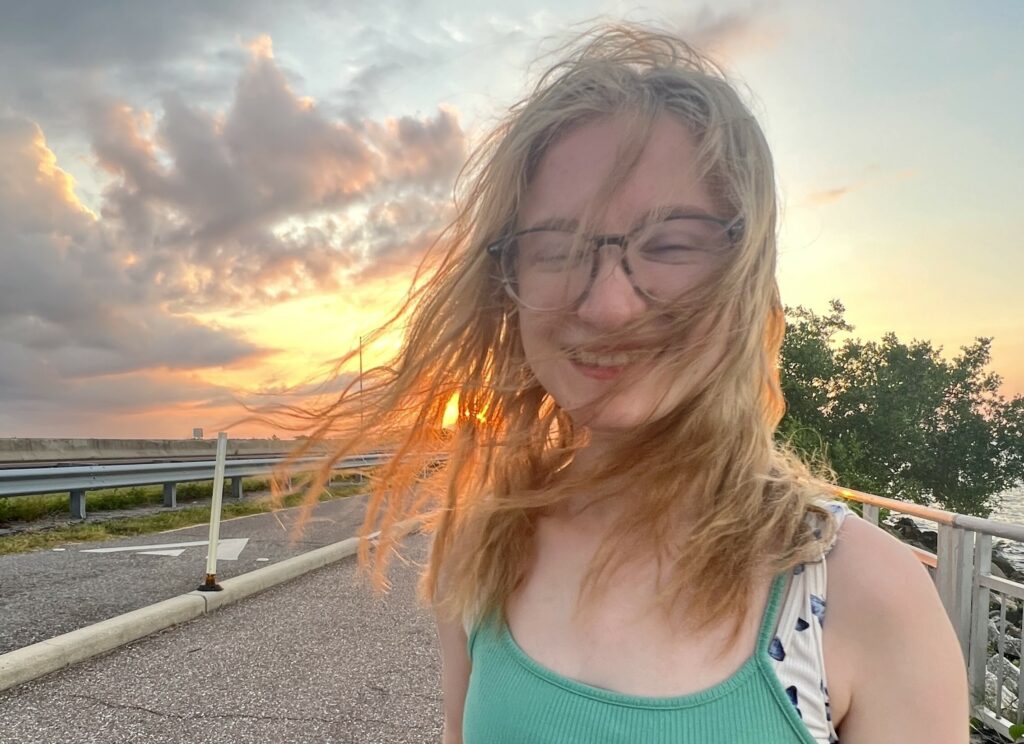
{"type": "Point", "coordinates": [319, 659]}
{"type": "Point", "coordinates": [49, 592]}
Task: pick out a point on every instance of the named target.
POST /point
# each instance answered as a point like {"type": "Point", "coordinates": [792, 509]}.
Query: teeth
{"type": "Point", "coordinates": [619, 359]}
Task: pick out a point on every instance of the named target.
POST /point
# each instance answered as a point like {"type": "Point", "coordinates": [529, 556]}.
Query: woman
{"type": "Point", "coordinates": [621, 553]}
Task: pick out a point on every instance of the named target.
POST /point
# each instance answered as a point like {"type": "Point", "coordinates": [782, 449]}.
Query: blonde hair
{"type": "Point", "coordinates": [712, 496]}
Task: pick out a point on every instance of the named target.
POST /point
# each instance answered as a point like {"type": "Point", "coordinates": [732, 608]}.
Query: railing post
{"type": "Point", "coordinates": [944, 567]}
{"type": "Point", "coordinates": [978, 653]}
{"type": "Point", "coordinates": [953, 578]}
{"type": "Point", "coordinates": [870, 512]}
{"type": "Point", "coordinates": [170, 494]}
{"type": "Point", "coordinates": [236, 488]}
{"type": "Point", "coordinates": [965, 577]}
{"type": "Point", "coordinates": [78, 503]}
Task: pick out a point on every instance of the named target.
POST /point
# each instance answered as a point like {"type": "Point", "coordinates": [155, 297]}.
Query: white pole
{"type": "Point", "coordinates": [211, 584]}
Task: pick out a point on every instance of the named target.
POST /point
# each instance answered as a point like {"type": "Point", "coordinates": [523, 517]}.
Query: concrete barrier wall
{"type": "Point", "coordinates": [18, 450]}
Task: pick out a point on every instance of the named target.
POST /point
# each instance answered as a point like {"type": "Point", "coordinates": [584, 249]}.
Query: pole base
{"type": "Point", "coordinates": [210, 585]}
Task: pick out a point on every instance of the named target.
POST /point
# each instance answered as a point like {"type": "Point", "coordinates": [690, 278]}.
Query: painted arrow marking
{"type": "Point", "coordinates": [173, 553]}
{"type": "Point", "coordinates": [227, 550]}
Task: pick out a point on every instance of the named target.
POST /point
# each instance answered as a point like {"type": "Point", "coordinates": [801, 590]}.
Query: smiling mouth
{"type": "Point", "coordinates": [611, 360]}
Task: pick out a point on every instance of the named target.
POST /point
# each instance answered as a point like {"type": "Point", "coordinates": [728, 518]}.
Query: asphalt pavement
{"type": "Point", "coordinates": [318, 659]}
{"type": "Point", "coordinates": [48, 592]}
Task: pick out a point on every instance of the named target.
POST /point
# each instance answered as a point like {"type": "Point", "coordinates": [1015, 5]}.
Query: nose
{"type": "Point", "coordinates": [612, 300]}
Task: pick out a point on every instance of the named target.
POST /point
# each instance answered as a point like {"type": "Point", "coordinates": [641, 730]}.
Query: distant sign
{"type": "Point", "coordinates": [197, 433]}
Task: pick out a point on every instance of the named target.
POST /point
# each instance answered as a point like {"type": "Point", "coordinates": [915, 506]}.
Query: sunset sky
{"type": "Point", "coordinates": [204, 200]}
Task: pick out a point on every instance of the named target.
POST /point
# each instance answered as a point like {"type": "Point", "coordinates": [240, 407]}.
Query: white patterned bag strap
{"type": "Point", "coordinates": [796, 650]}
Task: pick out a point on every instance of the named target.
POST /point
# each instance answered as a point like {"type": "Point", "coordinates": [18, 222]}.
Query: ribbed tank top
{"type": "Point", "coordinates": [512, 699]}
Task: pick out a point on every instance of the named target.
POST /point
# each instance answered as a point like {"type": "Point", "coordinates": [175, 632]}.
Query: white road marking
{"type": "Point", "coordinates": [173, 553]}
{"type": "Point", "coordinates": [126, 548]}
{"type": "Point", "coordinates": [227, 550]}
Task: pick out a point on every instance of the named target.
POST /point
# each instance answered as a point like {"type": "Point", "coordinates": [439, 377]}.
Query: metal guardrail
{"type": "Point", "coordinates": [977, 602]}
{"type": "Point", "coordinates": [76, 480]}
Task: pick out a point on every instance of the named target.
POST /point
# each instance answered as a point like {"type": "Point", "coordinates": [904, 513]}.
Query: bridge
{"type": "Point", "coordinates": [984, 603]}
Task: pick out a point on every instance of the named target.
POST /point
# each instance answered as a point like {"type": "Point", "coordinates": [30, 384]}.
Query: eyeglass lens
{"type": "Point", "coordinates": [553, 269]}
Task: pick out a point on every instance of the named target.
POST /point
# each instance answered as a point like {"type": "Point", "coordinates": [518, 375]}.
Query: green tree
{"type": "Point", "coordinates": [898, 419]}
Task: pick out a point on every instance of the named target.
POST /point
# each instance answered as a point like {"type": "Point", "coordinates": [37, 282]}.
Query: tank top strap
{"type": "Point", "coordinates": [796, 650]}
{"type": "Point", "coordinates": [838, 511]}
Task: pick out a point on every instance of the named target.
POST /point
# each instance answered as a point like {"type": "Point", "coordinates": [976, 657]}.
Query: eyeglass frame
{"type": "Point", "coordinates": [733, 230]}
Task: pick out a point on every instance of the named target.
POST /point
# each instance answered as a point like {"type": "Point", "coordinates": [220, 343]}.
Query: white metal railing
{"type": "Point", "coordinates": [76, 480]}
{"type": "Point", "coordinates": [977, 601]}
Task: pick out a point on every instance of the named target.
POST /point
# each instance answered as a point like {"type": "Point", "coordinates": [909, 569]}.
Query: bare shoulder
{"type": "Point", "coordinates": [455, 671]}
{"type": "Point", "coordinates": [893, 643]}
{"type": "Point", "coordinates": [876, 582]}
{"type": "Point", "coordinates": [874, 568]}
{"type": "Point", "coordinates": [455, 668]}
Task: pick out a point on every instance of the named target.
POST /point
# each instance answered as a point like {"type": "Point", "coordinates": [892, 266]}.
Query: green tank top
{"type": "Point", "coordinates": [511, 699]}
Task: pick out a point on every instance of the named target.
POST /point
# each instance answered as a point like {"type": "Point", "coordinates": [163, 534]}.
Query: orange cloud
{"type": "Point", "coordinates": [35, 194]}
{"type": "Point", "coordinates": [829, 196]}
{"type": "Point", "coordinates": [262, 47]}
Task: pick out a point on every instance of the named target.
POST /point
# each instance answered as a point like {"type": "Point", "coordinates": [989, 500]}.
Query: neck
{"type": "Point", "coordinates": [593, 507]}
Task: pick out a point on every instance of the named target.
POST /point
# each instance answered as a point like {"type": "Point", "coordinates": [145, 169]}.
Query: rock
{"type": "Point", "coordinates": [1013, 616]}
{"type": "Point", "coordinates": [907, 529]}
{"type": "Point", "coordinates": [1011, 604]}
{"type": "Point", "coordinates": [1007, 700]}
{"type": "Point", "coordinates": [1006, 566]}
{"type": "Point", "coordinates": [1011, 643]}
{"type": "Point", "coordinates": [1011, 672]}
{"type": "Point", "coordinates": [930, 540]}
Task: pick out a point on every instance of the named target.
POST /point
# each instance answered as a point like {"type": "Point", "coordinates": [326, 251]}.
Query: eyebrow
{"type": "Point", "coordinates": [657, 214]}
{"type": "Point", "coordinates": [555, 223]}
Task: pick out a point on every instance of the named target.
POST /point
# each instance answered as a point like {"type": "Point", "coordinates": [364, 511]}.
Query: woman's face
{"type": "Point", "coordinates": [603, 385]}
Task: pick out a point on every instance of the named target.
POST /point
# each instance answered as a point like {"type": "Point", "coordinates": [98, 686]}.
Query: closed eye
{"type": "Point", "coordinates": [670, 253]}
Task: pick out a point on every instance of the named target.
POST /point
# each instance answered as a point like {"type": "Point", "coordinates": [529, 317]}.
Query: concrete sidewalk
{"type": "Point", "coordinates": [49, 592]}
{"type": "Point", "coordinates": [316, 659]}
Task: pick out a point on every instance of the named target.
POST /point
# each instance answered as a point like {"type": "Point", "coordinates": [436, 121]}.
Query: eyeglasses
{"type": "Point", "coordinates": [548, 269]}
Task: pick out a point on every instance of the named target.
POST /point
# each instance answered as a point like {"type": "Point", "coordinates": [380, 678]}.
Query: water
{"type": "Point", "coordinates": [1012, 510]}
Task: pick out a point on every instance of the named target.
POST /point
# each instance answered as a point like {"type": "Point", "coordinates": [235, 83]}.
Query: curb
{"type": "Point", "coordinates": [32, 662]}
